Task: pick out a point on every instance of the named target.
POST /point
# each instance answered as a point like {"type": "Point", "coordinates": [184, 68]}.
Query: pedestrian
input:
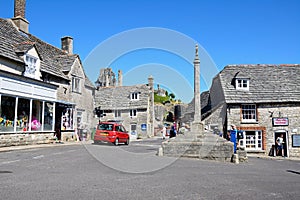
{"type": "Point", "coordinates": [173, 132]}
{"type": "Point", "coordinates": [280, 142]}
{"type": "Point", "coordinates": [164, 131]}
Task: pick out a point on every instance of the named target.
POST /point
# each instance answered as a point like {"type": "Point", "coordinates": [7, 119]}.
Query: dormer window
{"type": "Point", "coordinates": [242, 84]}
{"type": "Point", "coordinates": [30, 67]}
{"type": "Point", "coordinates": [135, 96]}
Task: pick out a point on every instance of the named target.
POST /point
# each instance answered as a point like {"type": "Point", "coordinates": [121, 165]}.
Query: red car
{"type": "Point", "coordinates": [111, 132]}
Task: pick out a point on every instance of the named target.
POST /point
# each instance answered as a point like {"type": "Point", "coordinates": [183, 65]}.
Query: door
{"type": "Point", "coordinates": [285, 142]}
{"type": "Point", "coordinates": [133, 131]}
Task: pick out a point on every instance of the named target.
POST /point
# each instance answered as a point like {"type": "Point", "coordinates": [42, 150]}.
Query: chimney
{"type": "Point", "coordinates": [67, 44]}
{"type": "Point", "coordinates": [19, 16]}
{"type": "Point", "coordinates": [120, 78]}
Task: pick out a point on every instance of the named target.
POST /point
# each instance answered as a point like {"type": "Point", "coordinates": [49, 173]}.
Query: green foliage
{"type": "Point", "coordinates": [160, 99]}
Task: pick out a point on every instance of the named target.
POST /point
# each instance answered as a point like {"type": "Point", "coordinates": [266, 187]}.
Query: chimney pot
{"type": "Point", "coordinates": [20, 8]}
{"type": "Point", "coordinates": [19, 16]}
{"type": "Point", "coordinates": [67, 44]}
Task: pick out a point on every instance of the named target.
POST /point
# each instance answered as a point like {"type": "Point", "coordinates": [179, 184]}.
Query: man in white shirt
{"type": "Point", "coordinates": [279, 142]}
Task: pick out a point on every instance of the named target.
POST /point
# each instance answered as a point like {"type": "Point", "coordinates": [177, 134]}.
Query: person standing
{"type": "Point", "coordinates": [280, 142]}
{"type": "Point", "coordinates": [164, 131]}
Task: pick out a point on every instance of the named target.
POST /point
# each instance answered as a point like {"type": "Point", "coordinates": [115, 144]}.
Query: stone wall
{"type": "Point", "coordinates": [25, 139]}
{"type": "Point", "coordinates": [204, 146]}
{"type": "Point", "coordinates": [216, 118]}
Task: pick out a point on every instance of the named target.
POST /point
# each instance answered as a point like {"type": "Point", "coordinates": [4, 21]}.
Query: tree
{"type": "Point", "coordinates": [172, 96]}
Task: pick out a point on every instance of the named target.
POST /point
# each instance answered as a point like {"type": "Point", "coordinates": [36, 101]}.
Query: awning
{"type": "Point", "coordinates": [65, 102]}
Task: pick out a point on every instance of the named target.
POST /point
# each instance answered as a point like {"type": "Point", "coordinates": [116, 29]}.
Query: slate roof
{"type": "Point", "coordinates": [268, 83]}
{"type": "Point", "coordinates": [53, 60]}
{"type": "Point", "coordinates": [118, 98]}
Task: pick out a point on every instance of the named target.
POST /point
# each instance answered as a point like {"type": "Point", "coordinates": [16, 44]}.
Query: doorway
{"type": "Point", "coordinates": [285, 143]}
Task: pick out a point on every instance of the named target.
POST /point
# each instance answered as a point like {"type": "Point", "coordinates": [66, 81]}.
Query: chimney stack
{"type": "Point", "coordinates": [19, 16]}
{"type": "Point", "coordinates": [67, 44]}
{"type": "Point", "coordinates": [120, 78]}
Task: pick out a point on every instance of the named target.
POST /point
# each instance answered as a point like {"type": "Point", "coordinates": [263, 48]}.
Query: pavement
{"type": "Point", "coordinates": [34, 146]}
{"type": "Point", "coordinates": [56, 144]}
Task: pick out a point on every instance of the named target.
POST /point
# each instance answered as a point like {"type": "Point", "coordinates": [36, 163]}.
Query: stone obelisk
{"type": "Point", "coordinates": [197, 126]}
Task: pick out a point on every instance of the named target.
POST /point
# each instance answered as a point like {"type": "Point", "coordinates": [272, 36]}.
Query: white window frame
{"type": "Point", "coordinates": [135, 96]}
{"type": "Point", "coordinates": [252, 142]}
{"type": "Point", "coordinates": [76, 84]}
{"type": "Point", "coordinates": [133, 113]}
{"type": "Point", "coordinates": [117, 113]}
{"type": "Point", "coordinates": [31, 66]}
{"type": "Point", "coordinates": [242, 84]}
{"type": "Point", "coordinates": [248, 112]}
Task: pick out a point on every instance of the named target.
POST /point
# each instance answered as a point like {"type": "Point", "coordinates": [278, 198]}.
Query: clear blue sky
{"type": "Point", "coordinates": [231, 31]}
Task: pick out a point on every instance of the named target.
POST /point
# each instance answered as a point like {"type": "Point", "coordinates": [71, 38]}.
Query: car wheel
{"type": "Point", "coordinates": [117, 142]}
{"type": "Point", "coordinates": [127, 141]}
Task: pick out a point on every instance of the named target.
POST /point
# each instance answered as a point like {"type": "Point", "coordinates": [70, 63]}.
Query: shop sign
{"type": "Point", "coordinates": [144, 127]}
{"type": "Point", "coordinates": [296, 140]}
{"type": "Point", "coordinates": [280, 121]}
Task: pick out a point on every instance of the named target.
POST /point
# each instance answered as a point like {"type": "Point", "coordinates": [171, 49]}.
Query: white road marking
{"type": "Point", "coordinates": [38, 157]}
{"type": "Point", "coordinates": [8, 162]}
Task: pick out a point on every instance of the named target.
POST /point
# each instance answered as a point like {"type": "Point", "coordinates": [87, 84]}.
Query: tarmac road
{"type": "Point", "coordinates": [135, 172]}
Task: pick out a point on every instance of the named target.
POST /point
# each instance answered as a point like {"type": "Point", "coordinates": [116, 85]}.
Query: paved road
{"type": "Point", "coordinates": [135, 172]}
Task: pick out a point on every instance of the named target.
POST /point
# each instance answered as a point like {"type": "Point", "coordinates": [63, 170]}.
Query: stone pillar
{"type": "Point", "coordinates": [106, 80]}
{"type": "Point", "coordinates": [197, 125]}
{"type": "Point", "coordinates": [151, 105]}
{"type": "Point", "coordinates": [120, 78]}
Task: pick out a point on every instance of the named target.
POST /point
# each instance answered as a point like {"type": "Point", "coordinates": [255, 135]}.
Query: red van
{"type": "Point", "coordinates": [111, 132]}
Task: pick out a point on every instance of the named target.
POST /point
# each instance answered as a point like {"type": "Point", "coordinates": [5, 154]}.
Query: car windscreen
{"type": "Point", "coordinates": [105, 127]}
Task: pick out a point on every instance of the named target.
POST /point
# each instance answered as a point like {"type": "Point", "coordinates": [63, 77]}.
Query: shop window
{"type": "Point", "coordinates": [67, 119]}
{"type": "Point", "coordinates": [48, 116]}
{"type": "Point", "coordinates": [7, 113]}
{"type": "Point", "coordinates": [249, 113]}
{"type": "Point", "coordinates": [252, 140]}
{"type": "Point", "coordinates": [36, 117]}
{"type": "Point", "coordinates": [23, 112]}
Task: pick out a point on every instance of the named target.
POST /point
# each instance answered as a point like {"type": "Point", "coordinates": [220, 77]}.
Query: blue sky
{"type": "Point", "coordinates": [230, 32]}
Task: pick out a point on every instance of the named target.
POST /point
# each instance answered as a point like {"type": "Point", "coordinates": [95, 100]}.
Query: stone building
{"type": "Point", "coordinates": [42, 88]}
{"type": "Point", "coordinates": [133, 106]}
{"type": "Point", "coordinates": [263, 101]}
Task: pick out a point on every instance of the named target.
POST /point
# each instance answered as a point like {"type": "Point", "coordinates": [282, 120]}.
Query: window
{"type": "Point", "coordinates": [252, 140]}
{"type": "Point", "coordinates": [120, 129]}
{"type": "Point", "coordinates": [242, 84]}
{"type": "Point", "coordinates": [76, 84]}
{"type": "Point", "coordinates": [133, 113]}
{"type": "Point", "coordinates": [30, 68]}
{"type": "Point", "coordinates": [48, 116]}
{"type": "Point", "coordinates": [134, 96]}
{"type": "Point", "coordinates": [117, 113]}
{"type": "Point", "coordinates": [249, 113]}
{"type": "Point", "coordinates": [20, 114]}
{"type": "Point", "coordinates": [67, 119]}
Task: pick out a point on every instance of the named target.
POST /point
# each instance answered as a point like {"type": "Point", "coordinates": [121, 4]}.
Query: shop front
{"type": "Point", "coordinates": [27, 110]}
{"type": "Point", "coordinates": [64, 120]}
